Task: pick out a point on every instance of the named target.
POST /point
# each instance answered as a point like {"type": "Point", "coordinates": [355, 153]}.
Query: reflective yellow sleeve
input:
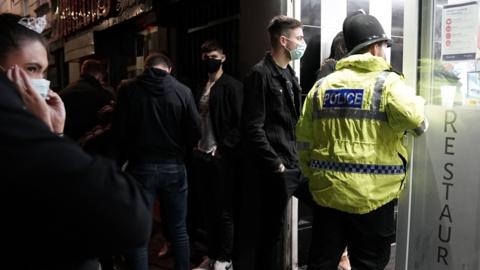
{"type": "Point", "coordinates": [405, 110]}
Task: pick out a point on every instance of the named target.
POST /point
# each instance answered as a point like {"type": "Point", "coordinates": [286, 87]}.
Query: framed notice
{"type": "Point", "coordinates": [459, 31]}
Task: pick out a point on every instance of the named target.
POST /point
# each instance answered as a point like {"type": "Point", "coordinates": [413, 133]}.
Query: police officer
{"type": "Point", "coordinates": [350, 145]}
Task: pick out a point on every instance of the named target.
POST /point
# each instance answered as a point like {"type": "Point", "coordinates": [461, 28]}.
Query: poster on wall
{"type": "Point", "coordinates": [459, 31]}
{"type": "Point", "coordinates": [473, 85]}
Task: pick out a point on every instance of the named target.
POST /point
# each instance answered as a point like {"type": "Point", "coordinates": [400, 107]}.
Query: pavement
{"type": "Point", "coordinates": [168, 264]}
{"type": "Point", "coordinates": [197, 250]}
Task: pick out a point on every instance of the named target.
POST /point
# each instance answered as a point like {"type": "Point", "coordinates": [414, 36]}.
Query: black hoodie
{"type": "Point", "coordinates": [156, 118]}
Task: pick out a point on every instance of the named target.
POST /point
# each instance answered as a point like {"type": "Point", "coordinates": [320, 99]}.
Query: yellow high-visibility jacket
{"type": "Point", "coordinates": [349, 136]}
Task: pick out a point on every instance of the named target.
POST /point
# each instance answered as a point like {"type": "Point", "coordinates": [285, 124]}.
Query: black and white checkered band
{"type": "Point", "coordinates": [357, 168]}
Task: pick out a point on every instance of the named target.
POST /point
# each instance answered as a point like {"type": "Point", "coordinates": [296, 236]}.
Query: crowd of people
{"type": "Point", "coordinates": [84, 167]}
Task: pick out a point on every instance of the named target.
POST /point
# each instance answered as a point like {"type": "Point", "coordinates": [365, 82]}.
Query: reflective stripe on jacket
{"type": "Point", "coordinates": [350, 134]}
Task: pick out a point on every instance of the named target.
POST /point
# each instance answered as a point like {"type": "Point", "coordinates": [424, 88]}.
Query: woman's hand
{"type": "Point", "coordinates": [51, 111]}
{"type": "Point", "coordinates": [32, 99]}
{"type": "Point", "coordinates": [57, 112]}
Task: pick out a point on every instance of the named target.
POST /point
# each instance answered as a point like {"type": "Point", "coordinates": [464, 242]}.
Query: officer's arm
{"type": "Point", "coordinates": [305, 132]}
{"type": "Point", "coordinates": [405, 110]}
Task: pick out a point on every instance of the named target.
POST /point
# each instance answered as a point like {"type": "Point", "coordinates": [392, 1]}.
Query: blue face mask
{"type": "Point", "coordinates": [297, 53]}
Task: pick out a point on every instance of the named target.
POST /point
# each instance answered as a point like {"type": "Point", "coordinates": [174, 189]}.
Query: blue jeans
{"type": "Point", "coordinates": [168, 181]}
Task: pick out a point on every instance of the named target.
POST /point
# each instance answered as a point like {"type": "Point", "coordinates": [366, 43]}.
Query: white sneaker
{"type": "Point", "coordinates": [219, 265]}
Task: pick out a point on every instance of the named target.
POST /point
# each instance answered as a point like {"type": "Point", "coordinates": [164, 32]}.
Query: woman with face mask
{"type": "Point", "coordinates": [23, 56]}
{"type": "Point", "coordinates": [62, 208]}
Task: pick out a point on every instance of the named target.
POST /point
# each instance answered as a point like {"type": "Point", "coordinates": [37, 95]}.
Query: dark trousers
{"type": "Point", "coordinates": [168, 181]}
{"type": "Point", "coordinates": [217, 179]}
{"type": "Point", "coordinates": [367, 236]}
{"type": "Point", "coordinates": [265, 196]}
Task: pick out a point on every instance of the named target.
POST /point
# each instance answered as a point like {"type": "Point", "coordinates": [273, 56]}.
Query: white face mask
{"type": "Point", "coordinates": [41, 86]}
{"type": "Point", "coordinates": [297, 53]}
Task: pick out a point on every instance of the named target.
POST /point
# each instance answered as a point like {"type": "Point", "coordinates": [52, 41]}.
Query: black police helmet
{"type": "Point", "coordinates": [362, 30]}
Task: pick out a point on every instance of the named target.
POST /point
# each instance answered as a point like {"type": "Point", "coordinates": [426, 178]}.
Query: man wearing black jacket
{"type": "Point", "coordinates": [270, 112]}
{"type": "Point", "coordinates": [61, 208]}
{"type": "Point", "coordinates": [216, 157]}
{"type": "Point", "coordinates": [83, 100]}
{"type": "Point", "coordinates": [156, 123]}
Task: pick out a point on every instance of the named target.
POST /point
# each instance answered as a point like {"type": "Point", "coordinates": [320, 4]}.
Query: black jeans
{"type": "Point", "coordinates": [367, 236]}
{"type": "Point", "coordinates": [265, 196]}
{"type": "Point", "coordinates": [217, 178]}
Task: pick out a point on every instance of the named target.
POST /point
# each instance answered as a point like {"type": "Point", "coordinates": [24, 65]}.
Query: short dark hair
{"type": "Point", "coordinates": [92, 67]}
{"type": "Point", "coordinates": [14, 34]}
{"type": "Point", "coordinates": [155, 58]}
{"type": "Point", "coordinates": [280, 25]}
{"type": "Point", "coordinates": [210, 46]}
{"type": "Point", "coordinates": [367, 48]}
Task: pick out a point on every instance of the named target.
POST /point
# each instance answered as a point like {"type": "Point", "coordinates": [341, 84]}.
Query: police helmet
{"type": "Point", "coordinates": [361, 31]}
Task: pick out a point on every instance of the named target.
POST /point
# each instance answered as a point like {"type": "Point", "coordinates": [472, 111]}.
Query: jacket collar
{"type": "Point", "coordinates": [91, 80]}
{"type": "Point", "coordinates": [219, 80]}
{"type": "Point", "coordinates": [276, 72]}
{"type": "Point", "coordinates": [365, 61]}
{"type": "Point", "coordinates": [274, 68]}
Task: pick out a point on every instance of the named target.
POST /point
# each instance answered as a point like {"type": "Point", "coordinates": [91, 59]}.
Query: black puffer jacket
{"type": "Point", "coordinates": [156, 118]}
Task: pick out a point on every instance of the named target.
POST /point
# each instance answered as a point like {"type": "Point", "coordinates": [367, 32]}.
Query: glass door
{"type": "Point", "coordinates": [439, 225]}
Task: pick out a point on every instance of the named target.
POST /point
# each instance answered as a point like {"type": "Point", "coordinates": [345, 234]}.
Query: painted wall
{"type": "Point", "coordinates": [20, 7]}
{"type": "Point", "coordinates": [253, 39]}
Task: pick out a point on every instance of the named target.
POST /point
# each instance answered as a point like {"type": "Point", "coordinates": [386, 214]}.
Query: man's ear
{"type": "Point", "coordinates": [224, 58]}
{"type": "Point", "coordinates": [373, 49]}
{"type": "Point", "coordinates": [282, 41]}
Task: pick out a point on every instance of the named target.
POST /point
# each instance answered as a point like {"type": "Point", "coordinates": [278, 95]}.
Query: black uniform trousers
{"type": "Point", "coordinates": [368, 237]}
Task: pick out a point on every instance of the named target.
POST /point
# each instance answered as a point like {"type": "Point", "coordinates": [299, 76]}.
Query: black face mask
{"type": "Point", "coordinates": [212, 65]}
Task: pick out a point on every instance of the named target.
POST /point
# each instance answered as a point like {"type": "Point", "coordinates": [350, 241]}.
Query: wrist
{"type": "Point", "coordinates": [58, 128]}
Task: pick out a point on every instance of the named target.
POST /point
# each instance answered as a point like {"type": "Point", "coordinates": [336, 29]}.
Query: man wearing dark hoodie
{"type": "Point", "coordinates": [155, 124]}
